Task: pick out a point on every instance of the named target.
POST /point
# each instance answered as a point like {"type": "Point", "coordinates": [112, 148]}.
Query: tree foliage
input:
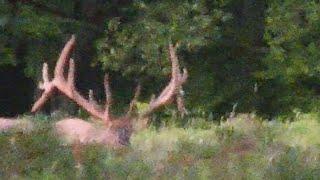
{"type": "Point", "coordinates": [244, 55]}
{"type": "Point", "coordinates": [138, 41]}
{"type": "Point", "coordinates": [292, 63]}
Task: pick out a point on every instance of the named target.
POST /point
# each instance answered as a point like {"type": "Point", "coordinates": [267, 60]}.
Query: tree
{"type": "Point", "coordinates": [140, 38]}
{"type": "Point", "coordinates": [135, 44]}
{"type": "Point", "coordinates": [292, 63]}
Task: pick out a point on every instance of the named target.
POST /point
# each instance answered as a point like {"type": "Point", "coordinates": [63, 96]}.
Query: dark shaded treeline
{"type": "Point", "coordinates": [233, 60]}
{"type": "Point", "coordinates": [246, 25]}
{"type": "Point", "coordinates": [257, 56]}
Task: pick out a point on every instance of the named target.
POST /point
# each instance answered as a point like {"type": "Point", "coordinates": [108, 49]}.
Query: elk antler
{"type": "Point", "coordinates": [171, 90]}
{"type": "Point", "coordinates": [67, 86]}
{"type": "Point", "coordinates": [180, 103]}
{"type": "Point", "coordinates": [134, 100]}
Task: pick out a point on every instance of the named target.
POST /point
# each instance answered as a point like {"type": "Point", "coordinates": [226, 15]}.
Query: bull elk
{"type": "Point", "coordinates": [112, 131]}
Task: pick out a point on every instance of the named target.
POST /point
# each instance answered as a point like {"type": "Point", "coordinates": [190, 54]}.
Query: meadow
{"type": "Point", "coordinates": [208, 57]}
{"type": "Point", "coordinates": [244, 147]}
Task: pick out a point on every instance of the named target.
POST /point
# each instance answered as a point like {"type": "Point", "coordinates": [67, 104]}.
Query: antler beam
{"type": "Point", "coordinates": [67, 86]}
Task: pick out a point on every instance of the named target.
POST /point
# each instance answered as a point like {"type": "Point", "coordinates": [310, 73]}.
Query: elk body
{"type": "Point", "coordinates": [110, 130]}
{"type": "Point", "coordinates": [6, 124]}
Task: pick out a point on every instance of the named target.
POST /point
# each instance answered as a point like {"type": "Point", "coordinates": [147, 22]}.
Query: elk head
{"type": "Point", "coordinates": [112, 131]}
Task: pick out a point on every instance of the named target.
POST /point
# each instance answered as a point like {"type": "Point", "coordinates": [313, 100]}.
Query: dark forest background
{"type": "Point", "coordinates": [249, 55]}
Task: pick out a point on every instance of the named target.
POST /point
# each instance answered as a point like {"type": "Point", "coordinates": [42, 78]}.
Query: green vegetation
{"type": "Point", "coordinates": [245, 147]}
{"type": "Point", "coordinates": [261, 55]}
{"type": "Point", "coordinates": [255, 58]}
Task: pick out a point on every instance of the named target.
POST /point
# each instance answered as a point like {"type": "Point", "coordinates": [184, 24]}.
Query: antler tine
{"type": "Point", "coordinates": [171, 90]}
{"type": "Point", "coordinates": [71, 72]}
{"type": "Point", "coordinates": [177, 79]}
{"type": "Point", "coordinates": [92, 100]}
{"type": "Point", "coordinates": [184, 76]}
{"type": "Point", "coordinates": [64, 57]}
{"type": "Point", "coordinates": [180, 103]}
{"type": "Point", "coordinates": [108, 96]}
{"type": "Point", "coordinates": [45, 74]}
{"type": "Point", "coordinates": [176, 74]}
{"type": "Point", "coordinates": [48, 88]}
{"type": "Point", "coordinates": [134, 99]}
{"type": "Point", "coordinates": [67, 86]}
{"type": "Point", "coordinates": [45, 77]}
{"type": "Point", "coordinates": [152, 98]}
{"type": "Point", "coordinates": [90, 96]}
{"type": "Point", "coordinates": [174, 62]}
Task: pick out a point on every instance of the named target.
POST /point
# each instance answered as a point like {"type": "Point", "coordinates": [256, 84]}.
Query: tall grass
{"type": "Point", "coordinates": [245, 147]}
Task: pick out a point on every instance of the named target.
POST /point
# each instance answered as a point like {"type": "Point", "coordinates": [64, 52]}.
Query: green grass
{"type": "Point", "coordinates": [244, 148]}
